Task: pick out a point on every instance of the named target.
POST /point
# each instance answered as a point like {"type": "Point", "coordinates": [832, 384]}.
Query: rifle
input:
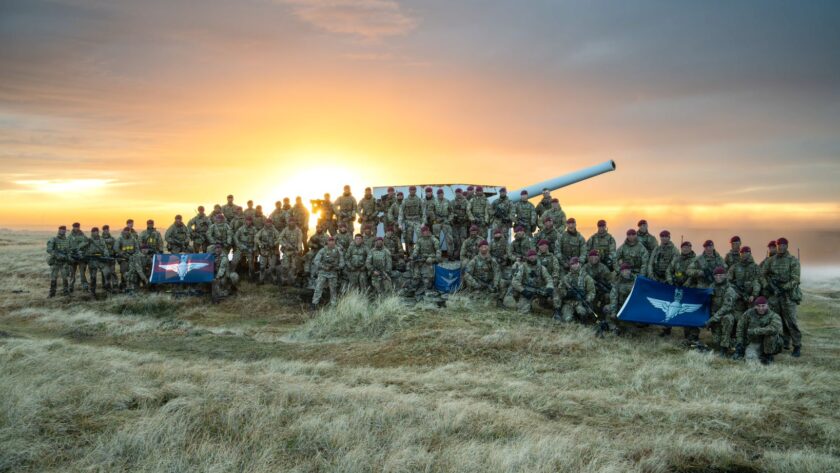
{"type": "Point", "coordinates": [101, 258]}
{"type": "Point", "coordinates": [529, 292]}
{"type": "Point", "coordinates": [602, 323]}
{"type": "Point", "coordinates": [603, 285]}
{"type": "Point", "coordinates": [775, 289]}
{"type": "Point", "coordinates": [707, 274]}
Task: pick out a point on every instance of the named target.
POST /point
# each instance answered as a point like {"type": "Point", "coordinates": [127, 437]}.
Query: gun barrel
{"type": "Point", "coordinates": [566, 179]}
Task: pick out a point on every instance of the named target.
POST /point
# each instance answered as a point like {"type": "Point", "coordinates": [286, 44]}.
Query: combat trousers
{"type": "Point", "coordinates": [250, 264]}
{"type": "Point", "coordinates": [178, 248]}
{"type": "Point", "coordinates": [411, 230]}
{"type": "Point", "coordinates": [64, 270]}
{"type": "Point", "coordinates": [424, 275]}
{"type": "Point", "coordinates": [200, 246]}
{"type": "Point", "coordinates": [722, 331]}
{"type": "Point", "coordinates": [460, 232]}
{"type": "Point", "coordinates": [268, 259]}
{"type": "Point", "coordinates": [81, 267]}
{"type": "Point", "coordinates": [350, 223]}
{"type": "Point", "coordinates": [356, 279]}
{"type": "Point", "coordinates": [289, 268]}
{"type": "Point", "coordinates": [325, 278]}
{"type": "Point", "coordinates": [103, 269]}
{"type": "Point", "coordinates": [573, 309]}
{"type": "Point", "coordinates": [381, 284]}
{"type": "Point", "coordinates": [787, 311]}
{"type": "Point", "coordinates": [221, 288]}
{"type": "Point", "coordinates": [446, 229]}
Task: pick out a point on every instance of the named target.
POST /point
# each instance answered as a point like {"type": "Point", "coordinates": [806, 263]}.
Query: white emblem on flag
{"type": "Point", "coordinates": [183, 267]}
{"type": "Point", "coordinates": [675, 307]}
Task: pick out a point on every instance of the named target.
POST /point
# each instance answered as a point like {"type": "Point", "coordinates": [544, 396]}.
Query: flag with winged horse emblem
{"type": "Point", "coordinates": [652, 302]}
{"type": "Point", "coordinates": [448, 276]}
{"type": "Point", "coordinates": [182, 268]}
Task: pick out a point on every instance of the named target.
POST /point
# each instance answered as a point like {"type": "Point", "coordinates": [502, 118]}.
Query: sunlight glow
{"type": "Point", "coordinates": [59, 186]}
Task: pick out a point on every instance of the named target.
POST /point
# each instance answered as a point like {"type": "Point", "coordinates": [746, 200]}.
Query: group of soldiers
{"type": "Point", "coordinates": [546, 262]}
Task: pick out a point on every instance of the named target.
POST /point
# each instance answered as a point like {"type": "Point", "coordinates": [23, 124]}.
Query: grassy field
{"type": "Point", "coordinates": [258, 384]}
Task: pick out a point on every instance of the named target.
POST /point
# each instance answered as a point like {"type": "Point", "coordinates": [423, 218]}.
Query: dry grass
{"type": "Point", "coordinates": [257, 384]}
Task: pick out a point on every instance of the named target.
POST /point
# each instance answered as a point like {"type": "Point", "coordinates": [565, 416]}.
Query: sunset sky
{"type": "Point", "coordinates": [717, 113]}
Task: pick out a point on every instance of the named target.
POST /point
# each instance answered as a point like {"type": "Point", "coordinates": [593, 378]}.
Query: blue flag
{"type": "Point", "coordinates": [182, 268]}
{"type": "Point", "coordinates": [652, 302]}
{"type": "Point", "coordinates": [448, 277]}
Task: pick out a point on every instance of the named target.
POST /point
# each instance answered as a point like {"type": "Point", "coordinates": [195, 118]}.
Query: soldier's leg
{"type": "Point", "coordinates": [54, 269]}
{"type": "Point", "coordinates": [726, 325]}
{"type": "Point", "coordinates": [112, 275]}
{"type": "Point", "coordinates": [123, 273]}
{"type": "Point", "coordinates": [692, 334]}
{"type": "Point", "coordinates": [94, 269]}
{"type": "Point", "coordinates": [237, 257]}
{"type": "Point", "coordinates": [83, 266]}
{"type": "Point", "coordinates": [788, 315]}
{"type": "Point", "coordinates": [753, 351]}
{"type": "Point", "coordinates": [73, 267]}
{"type": "Point", "coordinates": [523, 305]}
{"type": "Point", "coordinates": [319, 289]}
{"type": "Point", "coordinates": [568, 311]}
{"type": "Point", "coordinates": [776, 306]}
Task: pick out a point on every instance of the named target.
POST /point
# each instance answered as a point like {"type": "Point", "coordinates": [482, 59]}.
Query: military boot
{"type": "Point", "coordinates": [766, 359]}
{"type": "Point", "coordinates": [558, 317]}
{"type": "Point", "coordinates": [92, 288]}
{"type": "Point", "coordinates": [53, 287]}
{"type": "Point", "coordinates": [739, 352]}
{"type": "Point", "coordinates": [797, 351]}
{"type": "Point", "coordinates": [786, 344]}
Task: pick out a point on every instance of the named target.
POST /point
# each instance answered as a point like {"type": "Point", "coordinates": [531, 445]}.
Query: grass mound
{"type": "Point", "coordinates": [356, 317]}
{"type": "Point", "coordinates": [149, 305]}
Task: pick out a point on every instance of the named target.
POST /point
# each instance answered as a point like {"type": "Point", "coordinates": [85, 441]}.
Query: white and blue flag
{"type": "Point", "coordinates": [448, 277]}
{"type": "Point", "coordinates": [652, 302]}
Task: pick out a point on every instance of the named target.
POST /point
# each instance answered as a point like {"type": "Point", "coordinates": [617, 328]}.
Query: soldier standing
{"type": "Point", "coordinates": [244, 247]}
{"type": "Point", "coordinates": [259, 218]}
{"type": "Point", "coordinates": [441, 220]}
{"type": "Point", "coordinates": [198, 227]}
{"type": "Point", "coordinates": [660, 259]}
{"type": "Point", "coordinates": [392, 217]}
{"type": "Point", "coordinates": [782, 275]}
{"type": "Point", "coordinates": [646, 239]}
{"type": "Point", "coordinates": [603, 278]}
{"type": "Point", "coordinates": [326, 217]}
{"type": "Point", "coordinates": [368, 237]}
{"type": "Point", "coordinates": [532, 283]}
{"type": "Point", "coordinates": [550, 234]}
{"type": "Point", "coordinates": [470, 246]}
{"type": "Point", "coordinates": [634, 253]}
{"type": "Point", "coordinates": [317, 241]}
{"type": "Point", "coordinates": [734, 254]}
{"type": "Point", "coordinates": [98, 256]}
{"type": "Point", "coordinates": [178, 237]}
{"type": "Point", "coordinates": [701, 270]}
{"type": "Point", "coordinates": [130, 224]}
{"type": "Point", "coordinates": [424, 257]}
{"type": "Point", "coordinates": [291, 244]}
{"type": "Point", "coordinates": [555, 270]}
{"type": "Point", "coordinates": [520, 245]}
{"type": "Point", "coordinates": [545, 203]}
{"type": "Point", "coordinates": [225, 280]}
{"type": "Point", "coordinates": [329, 262]}
{"type": "Point", "coordinates": [58, 249]}
{"type": "Point", "coordinates": [759, 333]}
{"type": "Point", "coordinates": [500, 250]}
{"type": "Point", "coordinates": [249, 210]}
{"type": "Point", "coordinates": [604, 244]}
{"type": "Point", "coordinates": [722, 321]}
{"type": "Point", "coordinates": [411, 217]}
{"type": "Point", "coordinates": [556, 214]}
{"type": "Point", "coordinates": [300, 215]}
{"type": "Point", "coordinates": [344, 239]}
{"type": "Point", "coordinates": [678, 276]}
{"type": "Point", "coordinates": [478, 211]}
{"type": "Point", "coordinates": [502, 211]}
{"type": "Point", "coordinates": [378, 265]}
{"type": "Point", "coordinates": [578, 292]}
{"type": "Point", "coordinates": [571, 244]}
{"type": "Point", "coordinates": [229, 209]}
{"type": "Point", "coordinates": [127, 247]}
{"type": "Point", "coordinates": [111, 242]}
{"type": "Point", "coordinates": [619, 293]}
{"type": "Point", "coordinates": [278, 215]}
{"type": "Point", "coordinates": [268, 240]}
{"type": "Point", "coordinates": [346, 207]}
{"type": "Point", "coordinates": [745, 277]}
{"type": "Point", "coordinates": [460, 220]}
{"type": "Point", "coordinates": [78, 248]}
{"type": "Point", "coordinates": [220, 234]}
{"type": "Point", "coordinates": [524, 214]}
{"type": "Point", "coordinates": [151, 243]}
{"type": "Point", "coordinates": [772, 249]}
{"type": "Point", "coordinates": [384, 205]}
{"type": "Point", "coordinates": [354, 259]}
{"type": "Point", "coordinates": [368, 209]}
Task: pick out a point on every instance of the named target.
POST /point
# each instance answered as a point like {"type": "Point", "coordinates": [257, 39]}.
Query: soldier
{"type": "Point", "coordinates": [250, 211]}
{"type": "Point", "coordinates": [291, 245]}
{"type": "Point", "coordinates": [259, 218]}
{"type": "Point", "coordinates": [502, 212]}
{"type": "Point", "coordinates": [383, 206]}
{"type": "Point", "coordinates": [278, 215]}
{"type": "Point", "coordinates": [220, 234]}
{"type": "Point", "coordinates": [771, 251]}
{"type": "Point", "coordinates": [428, 201]}
{"type": "Point", "coordinates": [441, 219]}
{"type": "Point", "coordinates": [782, 275]}
{"type": "Point", "coordinates": [745, 278]}
{"type": "Point", "coordinates": [244, 241]}
{"type": "Point", "coordinates": [238, 220]}
{"type": "Point", "coordinates": [287, 207]}
{"type": "Point", "coordinates": [130, 224]}
{"type": "Point", "coordinates": [722, 321]}
{"type": "Point", "coordinates": [759, 333]}
{"type": "Point", "coordinates": [425, 256]}
{"type": "Point", "coordinates": [345, 207]}
{"type": "Point", "coordinates": [460, 220]}
{"type": "Point", "coordinates": [482, 273]}
{"type": "Point", "coordinates": [555, 270]}
{"type": "Point", "coordinates": [368, 237]}
{"type": "Point", "coordinates": [300, 215]}
{"type": "Point", "coordinates": [545, 203]}
{"type": "Point", "coordinates": [677, 275]}
{"type": "Point", "coordinates": [317, 241]}
{"type": "Point", "coordinates": [58, 249]}
{"type": "Point", "coordinates": [660, 259]}
{"type": "Point", "coordinates": [98, 256]}
{"type": "Point", "coordinates": [520, 245]}
{"type": "Point", "coordinates": [470, 246]}
{"type": "Point", "coordinates": [392, 217]}
{"type": "Point", "coordinates": [327, 216]}
{"type": "Point", "coordinates": [604, 244]}
{"type": "Point", "coordinates": [378, 265]}
{"type": "Point", "coordinates": [178, 237]}
{"type": "Point", "coordinates": [410, 217]}
{"type": "Point", "coordinates": [367, 209]}
{"type": "Point", "coordinates": [556, 214]}
{"type": "Point", "coordinates": [734, 255]}
{"type": "Point", "coordinates": [701, 270]}
{"type": "Point", "coordinates": [354, 269]}
{"type": "Point", "coordinates": [226, 280]}
{"type": "Point", "coordinates": [394, 246]}
{"type": "Point", "coordinates": [603, 278]}
{"type": "Point", "coordinates": [112, 247]}
{"type": "Point", "coordinates": [550, 234]}
{"type": "Point", "coordinates": [524, 214]}
{"type": "Point", "coordinates": [127, 247]}
{"type": "Point", "coordinates": [500, 250]}
{"type": "Point", "coordinates": [78, 248]}
{"type": "Point", "coordinates": [198, 226]}
{"type": "Point", "coordinates": [619, 293]}
{"type": "Point", "coordinates": [217, 210]}
{"type": "Point", "coordinates": [646, 239]}
{"type": "Point", "coordinates": [570, 244]}
{"type": "Point", "coordinates": [268, 241]}
{"type": "Point", "coordinates": [634, 253]}
{"type": "Point", "coordinates": [151, 243]}
{"type": "Point", "coordinates": [329, 262]}
{"type": "Point", "coordinates": [478, 211]}
{"type": "Point", "coordinates": [470, 193]}
{"type": "Point", "coordinates": [344, 238]}
{"type": "Point", "coordinates": [229, 209]}
{"type": "Point", "coordinates": [532, 283]}
{"type": "Point", "coordinates": [578, 292]}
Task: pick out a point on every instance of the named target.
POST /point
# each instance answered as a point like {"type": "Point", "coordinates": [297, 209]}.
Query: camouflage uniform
{"type": "Point", "coordinates": [732, 258]}
{"type": "Point", "coordinates": [327, 219]}
{"type": "Point", "coordinates": [354, 267]}
{"type": "Point", "coordinates": [367, 211]}
{"type": "Point", "coordinates": [573, 306]}
{"type": "Point", "coordinates": [678, 270]}
{"type": "Point", "coordinates": [198, 227]}
{"type": "Point", "coordinates": [530, 283]}
{"type": "Point", "coordinates": [783, 272]}
{"type": "Point", "coordinates": [279, 217]}
{"type": "Point", "coordinates": [460, 220]}
{"type": "Point", "coordinates": [483, 275]}
{"type": "Point", "coordinates": [58, 249]}
{"type": "Point", "coordinates": [225, 280]}
{"type": "Point", "coordinates": [178, 238]}
{"type": "Point", "coordinates": [569, 246]}
{"type": "Point", "coordinates": [525, 214]}
{"type": "Point", "coordinates": [500, 251]}
{"type": "Point", "coordinates": [606, 246]}
{"type": "Point", "coordinates": [619, 293]}
{"type": "Point", "coordinates": [329, 262]}
{"type": "Point", "coordinates": [745, 277]}
{"type": "Point", "coordinates": [98, 256]}
{"type": "Point", "coordinates": [378, 265]}
{"type": "Point", "coordinates": [502, 212]}
{"type": "Point", "coordinates": [245, 246]}
{"type": "Point", "coordinates": [392, 217]}
{"type": "Point", "coordinates": [603, 278]}
{"type": "Point", "coordinates": [112, 263]}
{"type": "Point", "coordinates": [519, 247]}
{"type": "Point", "coordinates": [260, 219]}
{"type": "Point", "coordinates": [249, 211]}
{"type": "Point", "coordinates": [268, 241]}
{"type": "Point", "coordinates": [633, 254]}
{"type": "Point", "coordinates": [543, 206]}
{"type": "Point", "coordinates": [702, 268]}
{"type": "Point", "coordinates": [425, 255]}
{"type": "Point", "coordinates": [78, 248]}
{"type": "Point", "coordinates": [660, 261]}
{"type": "Point", "coordinates": [760, 334]}
{"type": "Point", "coordinates": [648, 241]}
{"type": "Point", "coordinates": [368, 237]}
{"type": "Point", "coordinates": [394, 246]}
{"type": "Point", "coordinates": [316, 242]}
{"type": "Point", "coordinates": [469, 249]}
{"type": "Point", "coordinates": [151, 243]}
{"type": "Point", "coordinates": [722, 321]}
{"type": "Point", "coordinates": [230, 210]}
{"type": "Point", "coordinates": [220, 234]}
{"type": "Point", "coordinates": [127, 246]}
{"type": "Point", "coordinates": [551, 235]}
{"type": "Point", "coordinates": [440, 216]}
{"type": "Point", "coordinates": [291, 244]}
{"type": "Point", "coordinates": [300, 214]}
{"type": "Point", "coordinates": [345, 208]}
{"type": "Point", "coordinates": [343, 240]}
{"type": "Point", "coordinates": [558, 216]}
{"type": "Point", "coordinates": [410, 218]}
{"type": "Point", "coordinates": [555, 270]}
{"type": "Point", "coordinates": [478, 212]}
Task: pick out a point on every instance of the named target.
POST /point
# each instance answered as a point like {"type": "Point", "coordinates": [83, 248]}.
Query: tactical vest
{"type": "Point", "coordinates": [663, 255]}
{"type": "Point", "coordinates": [482, 269]}
{"type": "Point", "coordinates": [367, 207]}
{"type": "Point", "coordinates": [570, 245]}
{"type": "Point", "coordinates": [427, 246]}
{"type": "Point", "coordinates": [346, 206]}
{"type": "Point", "coordinates": [356, 256]}
{"type": "Point", "coordinates": [781, 267]}
{"type": "Point", "coordinates": [412, 208]}
{"type": "Point", "coordinates": [379, 259]}
{"type": "Point", "coordinates": [219, 233]}
{"type": "Point", "coordinates": [744, 275]}
{"type": "Point", "coordinates": [478, 207]}
{"type": "Point", "coordinates": [330, 259]}
{"type": "Point", "coordinates": [459, 210]}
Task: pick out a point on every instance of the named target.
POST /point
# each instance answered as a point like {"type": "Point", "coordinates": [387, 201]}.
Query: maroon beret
{"type": "Point", "coordinates": [440, 191]}
{"type": "Point", "coordinates": [497, 231]}
{"type": "Point", "coordinates": [719, 270]}
{"type": "Point", "coordinates": [63, 227]}
{"type": "Point", "coordinates": [519, 228]}
{"type": "Point", "coordinates": [459, 191]}
{"type": "Point", "coordinates": [428, 189]}
{"type": "Point", "coordinates": [625, 266]}
{"type": "Point", "coordinates": [760, 300]}
{"type": "Point", "coordinates": [642, 222]}
{"type": "Point", "coordinates": [772, 244]}
{"type": "Point", "coordinates": [782, 241]}
{"type": "Point", "coordinates": [574, 260]}
{"type": "Point", "coordinates": [390, 189]}
{"type": "Point", "coordinates": [631, 232]}
{"type": "Point", "coordinates": [665, 233]}
{"type": "Point", "coordinates": [746, 249]}
{"type": "Point", "coordinates": [571, 220]}
{"type": "Point", "coordinates": [473, 228]}
{"type": "Point", "coordinates": [594, 253]}
{"type": "Point", "coordinates": [532, 252]}
{"type": "Point", "coordinates": [379, 239]}
{"type": "Point", "coordinates": [555, 200]}
{"type": "Point", "coordinates": [734, 239]}
{"type": "Point", "coordinates": [542, 242]}
{"type": "Point", "coordinates": [95, 229]}
{"type": "Point", "coordinates": [479, 189]}
{"type": "Point", "coordinates": [483, 243]}
{"type": "Point", "coordinates": [106, 227]}
{"type": "Point", "coordinates": [425, 228]}
{"type": "Point", "coordinates": [602, 223]}
{"type": "Point", "coordinates": [412, 188]}
{"type": "Point", "coordinates": [470, 188]}
{"type": "Point", "coordinates": [523, 193]}
{"type": "Point", "coordinates": [150, 222]}
{"type": "Point", "coordinates": [708, 243]}
{"type": "Point", "coordinates": [503, 189]}
{"type": "Point", "coordinates": [77, 225]}
{"type": "Point", "coordinates": [685, 243]}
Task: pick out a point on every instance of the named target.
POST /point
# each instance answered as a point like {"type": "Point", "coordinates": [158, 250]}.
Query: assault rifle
{"type": "Point", "coordinates": [775, 287]}
{"type": "Point", "coordinates": [603, 285]}
{"type": "Point", "coordinates": [708, 275]}
{"type": "Point", "coordinates": [580, 297]}
{"type": "Point", "coordinates": [529, 292]}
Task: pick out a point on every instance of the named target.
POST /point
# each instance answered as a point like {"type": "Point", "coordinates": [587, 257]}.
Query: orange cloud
{"type": "Point", "coordinates": [369, 19]}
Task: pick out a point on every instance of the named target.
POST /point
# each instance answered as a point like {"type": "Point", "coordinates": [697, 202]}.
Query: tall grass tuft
{"type": "Point", "coordinates": [355, 316]}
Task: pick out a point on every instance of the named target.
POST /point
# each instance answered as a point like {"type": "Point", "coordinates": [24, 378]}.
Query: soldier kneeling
{"type": "Point", "coordinates": [532, 283]}
{"type": "Point", "coordinates": [226, 280]}
{"type": "Point", "coordinates": [482, 274]}
{"type": "Point", "coordinates": [759, 333]}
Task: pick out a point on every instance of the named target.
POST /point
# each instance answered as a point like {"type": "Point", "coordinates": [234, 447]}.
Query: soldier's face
{"type": "Point", "coordinates": [719, 278]}
{"type": "Point", "coordinates": [543, 249]}
{"type": "Point", "coordinates": [571, 226]}
{"type": "Point", "coordinates": [709, 250]}
{"type": "Point", "coordinates": [782, 248]}
{"type": "Point", "coordinates": [549, 224]}
{"type": "Point", "coordinates": [483, 249]}
{"type": "Point", "coordinates": [602, 229]}
{"type": "Point", "coordinates": [378, 243]}
{"type": "Point", "coordinates": [412, 192]}
{"type": "Point", "coordinates": [761, 308]}
{"type": "Point", "coordinates": [736, 245]}
{"type": "Point", "coordinates": [745, 255]}
{"type": "Point", "coordinates": [665, 240]}
{"type": "Point", "coordinates": [62, 232]}
{"type": "Point", "coordinates": [643, 228]}
{"type": "Point", "coordinates": [358, 240]}
{"type": "Point", "coordinates": [632, 238]}
{"type": "Point", "coordinates": [625, 273]}
{"type": "Point", "coordinates": [575, 266]}
{"type": "Point", "coordinates": [130, 224]}
{"type": "Point", "coordinates": [250, 205]}
{"type": "Point", "coordinates": [532, 259]}
{"type": "Point", "coordinates": [331, 244]}
{"type": "Point", "coordinates": [230, 200]}
{"type": "Point", "coordinates": [94, 234]}
{"type": "Point", "coordinates": [546, 194]}
{"type": "Point", "coordinates": [594, 259]}
{"type": "Point", "coordinates": [686, 249]}
{"type": "Point", "coordinates": [555, 205]}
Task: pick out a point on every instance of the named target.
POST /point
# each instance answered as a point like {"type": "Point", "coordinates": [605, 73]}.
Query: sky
{"type": "Point", "coordinates": [719, 114]}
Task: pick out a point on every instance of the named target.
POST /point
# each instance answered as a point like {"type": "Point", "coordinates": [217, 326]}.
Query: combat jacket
{"type": "Point", "coordinates": [620, 292]}
{"type": "Point", "coordinates": [580, 281]}
{"type": "Point", "coordinates": [745, 276]}
{"type": "Point", "coordinates": [703, 267]}
{"type": "Point", "coordinates": [478, 210]}
{"type": "Point", "coordinates": [346, 207]}
{"type": "Point", "coordinates": [678, 270]}
{"type": "Point", "coordinates": [502, 211]}
{"type": "Point", "coordinates": [532, 276]}
{"type": "Point", "coordinates": [177, 235]}
{"type": "Point", "coordinates": [459, 210]}
{"type": "Point", "coordinates": [268, 239]}
{"type": "Point", "coordinates": [525, 214]}
{"type": "Point", "coordinates": [198, 227]}
{"type": "Point", "coordinates": [648, 241]}
{"type": "Point", "coordinates": [660, 261]}
{"type": "Point", "coordinates": [411, 209]}
{"type": "Point", "coordinates": [570, 245]}
{"type": "Point", "coordinates": [245, 237]}
{"type": "Point", "coordinates": [78, 243]}
{"type": "Point", "coordinates": [519, 247]}
{"type": "Point", "coordinates": [220, 234]}
{"type": "Point", "coordinates": [367, 209]}
{"type": "Point", "coordinates": [151, 239]}
{"type": "Point", "coordinates": [291, 241]}
{"type": "Point", "coordinates": [426, 247]}
{"type": "Point", "coordinates": [58, 249]}
{"type": "Point", "coordinates": [483, 271]}
{"type": "Point", "coordinates": [783, 271]}
{"type": "Point", "coordinates": [722, 302]}
{"type": "Point", "coordinates": [355, 257]}
{"type": "Point", "coordinates": [633, 254]}
{"type": "Point", "coordinates": [378, 259]}
{"type": "Point", "coordinates": [558, 216]}
{"type": "Point", "coordinates": [329, 262]}
{"type": "Point", "coordinates": [606, 246]}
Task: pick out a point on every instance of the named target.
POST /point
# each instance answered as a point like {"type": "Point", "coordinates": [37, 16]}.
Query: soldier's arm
{"type": "Point", "coordinates": [582, 246]}
{"type": "Point", "coordinates": [51, 247]}
{"type": "Point", "coordinates": [497, 272]}
{"type": "Point", "coordinates": [795, 274]}
{"type": "Point", "coordinates": [614, 300]}
{"type": "Point", "coordinates": [549, 282]}
{"type": "Point", "coordinates": [516, 282]}
{"type": "Point", "coordinates": [468, 272]}
{"type": "Point", "coordinates": [645, 260]}
{"type": "Point", "coordinates": [369, 262]}
{"type": "Point", "coordinates": [756, 283]}
{"type": "Point", "coordinates": [590, 288]}
{"type": "Point", "coordinates": [388, 261]}
{"type": "Point", "coordinates": [438, 254]}
{"type": "Point", "coordinates": [694, 268]}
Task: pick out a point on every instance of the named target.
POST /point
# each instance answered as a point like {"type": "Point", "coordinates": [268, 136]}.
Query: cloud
{"type": "Point", "coordinates": [368, 19]}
